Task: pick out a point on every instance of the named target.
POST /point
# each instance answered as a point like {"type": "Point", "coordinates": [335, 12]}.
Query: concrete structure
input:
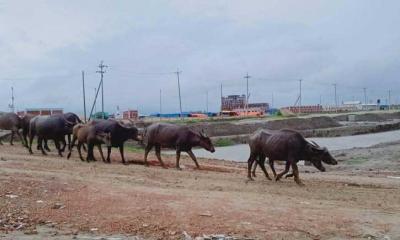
{"type": "Point", "coordinates": [41, 111]}
{"type": "Point", "coordinates": [305, 109]}
{"type": "Point", "coordinates": [130, 114]}
{"type": "Point", "coordinates": [233, 102]}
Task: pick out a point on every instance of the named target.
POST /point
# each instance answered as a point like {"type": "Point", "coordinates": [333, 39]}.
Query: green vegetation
{"type": "Point", "coordinates": [223, 142]}
{"type": "Point", "coordinates": [134, 148]}
{"type": "Point", "coordinates": [357, 160]}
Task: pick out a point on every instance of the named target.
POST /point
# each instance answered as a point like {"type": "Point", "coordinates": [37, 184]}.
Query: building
{"type": "Point", "coordinates": [261, 106]}
{"type": "Point", "coordinates": [130, 114]}
{"type": "Point", "coordinates": [233, 102]}
{"type": "Point", "coordinates": [41, 111]}
{"type": "Point", "coordinates": [305, 109]}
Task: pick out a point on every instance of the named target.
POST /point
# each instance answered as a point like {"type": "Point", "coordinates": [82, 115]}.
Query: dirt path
{"type": "Point", "coordinates": [359, 198]}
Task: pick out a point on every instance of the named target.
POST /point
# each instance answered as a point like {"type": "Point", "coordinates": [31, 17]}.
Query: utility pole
{"type": "Point", "coordinates": [160, 104]}
{"type": "Point", "coordinates": [179, 90]}
{"type": "Point", "coordinates": [320, 100]}
{"type": "Point", "coordinates": [207, 102]}
{"type": "Point", "coordinates": [272, 100]}
{"type": "Point", "coordinates": [389, 100]}
{"type": "Point", "coordinates": [221, 97]}
{"type": "Point", "coordinates": [84, 97]}
{"type": "Point", "coordinates": [95, 106]}
{"type": "Point", "coordinates": [365, 95]}
{"type": "Point", "coordinates": [102, 71]}
{"type": "Point", "coordinates": [247, 92]}
{"type": "Point", "coordinates": [300, 80]}
{"type": "Point", "coordinates": [336, 102]}
{"type": "Point", "coordinates": [12, 107]}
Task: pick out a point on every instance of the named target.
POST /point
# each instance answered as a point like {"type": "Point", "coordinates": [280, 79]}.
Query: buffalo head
{"type": "Point", "coordinates": [131, 130]}
{"type": "Point", "coordinates": [205, 142]}
{"type": "Point", "coordinates": [317, 155]}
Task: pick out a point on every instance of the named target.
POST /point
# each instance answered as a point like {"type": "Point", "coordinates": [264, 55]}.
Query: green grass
{"type": "Point", "coordinates": [133, 148]}
{"type": "Point", "coordinates": [357, 160]}
{"type": "Point", "coordinates": [223, 142]}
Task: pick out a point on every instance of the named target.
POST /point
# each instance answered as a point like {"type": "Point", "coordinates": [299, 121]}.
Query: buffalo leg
{"type": "Point", "coordinates": [69, 141]}
{"type": "Point", "coordinates": [108, 154]}
{"type": "Point", "coordinates": [46, 146]}
{"type": "Point", "coordinates": [72, 145]}
{"type": "Point", "coordinates": [12, 138]}
{"type": "Point", "coordinates": [296, 174]}
{"type": "Point", "coordinates": [79, 151]}
{"type": "Point", "coordinates": [253, 172]}
{"type": "Point", "coordinates": [271, 165]}
{"type": "Point", "coordinates": [24, 135]}
{"type": "Point", "coordinates": [158, 154]}
{"type": "Point", "coordinates": [84, 147]}
{"type": "Point", "coordinates": [287, 167]}
{"type": "Point", "coordinates": [58, 147]}
{"type": "Point", "coordinates": [146, 153]}
{"type": "Point", "coordinates": [178, 157]}
{"type": "Point", "coordinates": [22, 139]}
{"type": "Point", "coordinates": [101, 152]}
{"type": "Point", "coordinates": [40, 142]}
{"type": "Point", "coordinates": [121, 151]}
{"type": "Point", "coordinates": [250, 162]}
{"type": "Point", "coordinates": [193, 157]}
{"type": "Point", "coordinates": [30, 143]}
{"type": "Point", "coordinates": [89, 155]}
{"type": "Point", "coordinates": [262, 165]}
{"type": "Point", "coordinates": [1, 143]}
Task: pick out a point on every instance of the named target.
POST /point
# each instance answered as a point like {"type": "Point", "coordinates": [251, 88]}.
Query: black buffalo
{"type": "Point", "coordinates": [12, 122]}
{"type": "Point", "coordinates": [180, 138]}
{"type": "Point", "coordinates": [53, 127]}
{"type": "Point", "coordinates": [287, 145]}
{"type": "Point", "coordinates": [120, 133]}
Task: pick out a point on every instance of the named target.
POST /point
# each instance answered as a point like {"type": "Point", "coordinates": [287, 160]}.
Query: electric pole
{"type": "Point", "coordinates": [365, 95]}
{"type": "Point", "coordinates": [389, 100]}
{"type": "Point", "coordinates": [221, 97]}
{"type": "Point", "coordinates": [12, 107]}
{"type": "Point", "coordinates": [272, 100]}
{"type": "Point", "coordinates": [247, 92]}
{"type": "Point", "coordinates": [179, 91]}
{"type": "Point", "coordinates": [336, 102]}
{"type": "Point", "coordinates": [102, 71]}
{"type": "Point", "coordinates": [84, 97]}
{"type": "Point", "coordinates": [160, 104]}
{"type": "Point", "coordinates": [95, 105]}
{"type": "Point", "coordinates": [207, 102]}
{"type": "Point", "coordinates": [300, 80]}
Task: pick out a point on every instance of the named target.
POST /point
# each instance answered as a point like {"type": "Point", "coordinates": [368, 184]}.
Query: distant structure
{"type": "Point", "coordinates": [41, 111]}
{"type": "Point", "coordinates": [305, 109]}
{"type": "Point", "coordinates": [232, 102]}
{"type": "Point", "coordinates": [130, 114]}
{"type": "Point", "coordinates": [235, 105]}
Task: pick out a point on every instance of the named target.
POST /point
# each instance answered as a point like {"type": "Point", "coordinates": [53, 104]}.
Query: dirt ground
{"type": "Point", "coordinates": [357, 199]}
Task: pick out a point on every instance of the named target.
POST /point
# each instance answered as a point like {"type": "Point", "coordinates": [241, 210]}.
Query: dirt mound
{"type": "Point", "coordinates": [226, 129]}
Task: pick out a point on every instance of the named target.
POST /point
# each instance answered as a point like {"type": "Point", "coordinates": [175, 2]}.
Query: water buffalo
{"type": "Point", "coordinates": [81, 132]}
{"type": "Point", "coordinates": [180, 138]}
{"type": "Point", "coordinates": [12, 122]}
{"type": "Point", "coordinates": [119, 134]}
{"type": "Point", "coordinates": [53, 127]}
{"type": "Point", "coordinates": [290, 146]}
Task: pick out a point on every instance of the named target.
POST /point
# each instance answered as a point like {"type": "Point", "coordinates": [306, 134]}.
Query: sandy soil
{"type": "Point", "coordinates": [357, 199]}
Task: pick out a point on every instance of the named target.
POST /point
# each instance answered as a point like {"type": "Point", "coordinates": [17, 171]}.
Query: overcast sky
{"type": "Point", "coordinates": [44, 46]}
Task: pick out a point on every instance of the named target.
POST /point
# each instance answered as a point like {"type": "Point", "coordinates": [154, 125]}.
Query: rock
{"type": "Point", "coordinates": [39, 201]}
{"type": "Point", "coordinates": [94, 229]}
{"type": "Point", "coordinates": [186, 236]}
{"type": "Point", "coordinates": [206, 214]}
{"type": "Point", "coordinates": [11, 196]}
{"type": "Point", "coordinates": [58, 206]}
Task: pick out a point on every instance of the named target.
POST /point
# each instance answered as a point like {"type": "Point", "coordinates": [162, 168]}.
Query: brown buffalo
{"type": "Point", "coordinates": [180, 138]}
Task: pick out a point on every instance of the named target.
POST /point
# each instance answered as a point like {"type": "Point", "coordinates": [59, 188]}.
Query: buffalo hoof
{"type": "Point", "coordinates": [254, 174]}
{"type": "Point", "coordinates": [177, 168]}
{"type": "Point", "coordinates": [250, 179]}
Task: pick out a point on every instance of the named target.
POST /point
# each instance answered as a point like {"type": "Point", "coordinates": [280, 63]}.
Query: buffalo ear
{"type": "Point", "coordinates": [203, 134]}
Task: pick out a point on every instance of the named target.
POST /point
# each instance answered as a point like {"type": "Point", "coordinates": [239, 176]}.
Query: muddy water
{"type": "Point", "coordinates": [241, 152]}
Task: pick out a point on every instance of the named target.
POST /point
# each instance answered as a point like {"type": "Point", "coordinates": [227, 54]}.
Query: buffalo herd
{"type": "Point", "coordinates": [284, 145]}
